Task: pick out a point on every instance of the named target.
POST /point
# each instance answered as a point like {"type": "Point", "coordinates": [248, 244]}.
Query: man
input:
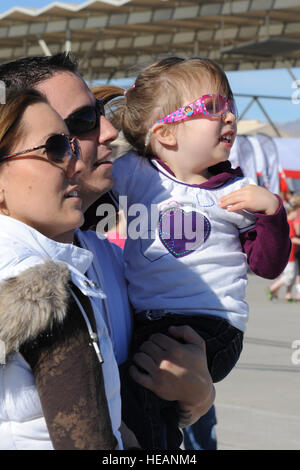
{"type": "Point", "coordinates": [174, 371]}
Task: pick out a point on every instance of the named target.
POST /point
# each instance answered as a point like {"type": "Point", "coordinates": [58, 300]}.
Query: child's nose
{"type": "Point", "coordinates": [229, 117]}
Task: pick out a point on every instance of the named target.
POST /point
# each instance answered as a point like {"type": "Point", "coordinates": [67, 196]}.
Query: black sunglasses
{"type": "Point", "coordinates": [60, 149]}
{"type": "Point", "coordinates": [85, 119]}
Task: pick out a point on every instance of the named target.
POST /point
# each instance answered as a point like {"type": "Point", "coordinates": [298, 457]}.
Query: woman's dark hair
{"type": "Point", "coordinates": [11, 114]}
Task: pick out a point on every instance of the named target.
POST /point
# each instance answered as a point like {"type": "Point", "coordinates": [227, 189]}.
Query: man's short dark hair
{"type": "Point", "coordinates": [29, 71]}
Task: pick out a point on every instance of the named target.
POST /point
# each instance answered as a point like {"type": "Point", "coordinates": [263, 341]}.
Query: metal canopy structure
{"type": "Point", "coordinates": [112, 38]}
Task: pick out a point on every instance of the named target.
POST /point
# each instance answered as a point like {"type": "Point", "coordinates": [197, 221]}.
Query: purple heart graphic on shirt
{"type": "Point", "coordinates": [182, 232]}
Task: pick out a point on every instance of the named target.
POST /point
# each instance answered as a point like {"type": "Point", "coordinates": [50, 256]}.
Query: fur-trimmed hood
{"type": "Point", "coordinates": [31, 302]}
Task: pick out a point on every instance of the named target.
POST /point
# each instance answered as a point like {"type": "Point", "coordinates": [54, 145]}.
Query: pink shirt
{"type": "Point", "coordinates": [115, 237]}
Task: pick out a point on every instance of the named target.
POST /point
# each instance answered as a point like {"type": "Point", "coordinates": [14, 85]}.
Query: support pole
{"type": "Point", "coordinates": [247, 108]}
{"type": "Point", "coordinates": [268, 118]}
{"type": "Point", "coordinates": [90, 50]}
{"type": "Point", "coordinates": [289, 70]}
{"type": "Point", "coordinates": [68, 43]}
{"type": "Point", "coordinates": [44, 46]}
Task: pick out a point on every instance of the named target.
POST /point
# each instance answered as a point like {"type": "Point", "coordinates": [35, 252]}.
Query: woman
{"type": "Point", "coordinates": [51, 388]}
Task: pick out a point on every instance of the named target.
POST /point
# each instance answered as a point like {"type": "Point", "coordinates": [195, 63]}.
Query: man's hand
{"type": "Point", "coordinates": [251, 198]}
{"type": "Point", "coordinates": [176, 371]}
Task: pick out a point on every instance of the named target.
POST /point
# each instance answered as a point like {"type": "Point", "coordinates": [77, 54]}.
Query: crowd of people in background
{"type": "Point", "coordinates": [290, 278]}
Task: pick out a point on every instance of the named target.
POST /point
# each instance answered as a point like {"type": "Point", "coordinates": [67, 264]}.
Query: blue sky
{"type": "Point", "coordinates": [257, 82]}
{"type": "Point", "coordinates": [6, 4]}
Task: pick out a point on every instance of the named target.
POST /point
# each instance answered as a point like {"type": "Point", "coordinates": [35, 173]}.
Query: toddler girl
{"type": "Point", "coordinates": [193, 222]}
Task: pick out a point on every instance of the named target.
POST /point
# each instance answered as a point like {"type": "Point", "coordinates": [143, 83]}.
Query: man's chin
{"type": "Point", "coordinates": [92, 194]}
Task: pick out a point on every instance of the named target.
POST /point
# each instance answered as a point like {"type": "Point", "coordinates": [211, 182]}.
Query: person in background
{"type": "Point", "coordinates": [290, 277]}
{"type": "Point", "coordinates": [295, 199]}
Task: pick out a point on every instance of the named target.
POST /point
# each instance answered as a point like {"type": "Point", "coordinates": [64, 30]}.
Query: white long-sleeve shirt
{"type": "Point", "coordinates": [166, 268]}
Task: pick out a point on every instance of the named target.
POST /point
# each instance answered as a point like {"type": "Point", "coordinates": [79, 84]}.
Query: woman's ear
{"type": "Point", "coordinates": [3, 206]}
{"type": "Point", "coordinates": [164, 134]}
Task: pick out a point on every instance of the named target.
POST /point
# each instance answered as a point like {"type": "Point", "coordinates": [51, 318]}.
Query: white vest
{"type": "Point", "coordinates": [22, 424]}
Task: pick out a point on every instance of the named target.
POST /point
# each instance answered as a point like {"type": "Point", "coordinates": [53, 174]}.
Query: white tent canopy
{"type": "Point", "coordinates": [289, 156]}
{"type": "Point", "coordinates": [272, 157]}
{"type": "Point", "coordinates": [112, 38]}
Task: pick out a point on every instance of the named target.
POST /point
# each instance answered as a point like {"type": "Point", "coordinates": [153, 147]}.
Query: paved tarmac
{"type": "Point", "coordinates": [258, 404]}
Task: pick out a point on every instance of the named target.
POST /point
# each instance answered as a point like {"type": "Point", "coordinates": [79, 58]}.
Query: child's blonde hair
{"type": "Point", "coordinates": [160, 89]}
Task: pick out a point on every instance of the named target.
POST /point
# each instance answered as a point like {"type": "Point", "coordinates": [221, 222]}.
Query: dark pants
{"type": "Point", "coordinates": [153, 420]}
{"type": "Point", "coordinates": [201, 435]}
{"type": "Point", "coordinates": [297, 257]}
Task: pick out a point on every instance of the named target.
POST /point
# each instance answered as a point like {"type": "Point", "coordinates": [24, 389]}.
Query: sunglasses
{"type": "Point", "coordinates": [60, 149]}
{"type": "Point", "coordinates": [211, 105]}
{"type": "Point", "coordinates": [85, 119]}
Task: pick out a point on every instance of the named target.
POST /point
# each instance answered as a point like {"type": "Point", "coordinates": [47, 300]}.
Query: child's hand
{"type": "Point", "coordinates": [251, 198]}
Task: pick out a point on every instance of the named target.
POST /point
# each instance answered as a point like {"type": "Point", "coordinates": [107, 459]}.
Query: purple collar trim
{"type": "Point", "coordinates": [221, 173]}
